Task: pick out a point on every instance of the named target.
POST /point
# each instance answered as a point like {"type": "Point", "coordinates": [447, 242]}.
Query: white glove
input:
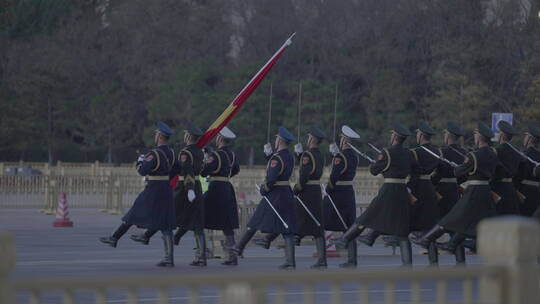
{"type": "Point", "coordinates": [333, 149]}
{"type": "Point", "coordinates": [141, 158]}
{"type": "Point", "coordinates": [191, 195]}
{"type": "Point", "coordinates": [298, 148]}
{"type": "Point", "coordinates": [268, 149]}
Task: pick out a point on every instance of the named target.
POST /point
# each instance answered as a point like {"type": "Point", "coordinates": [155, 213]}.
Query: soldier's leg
{"type": "Point", "coordinates": [450, 246]}
{"type": "Point", "coordinates": [241, 245]}
{"type": "Point", "coordinates": [405, 250]}
{"type": "Point", "coordinates": [180, 232]}
{"type": "Point", "coordinates": [200, 259]}
{"type": "Point", "coordinates": [168, 260]}
{"type": "Point", "coordinates": [433, 254]}
{"type": "Point", "coordinates": [348, 236]}
{"type": "Point", "coordinates": [298, 239]}
{"type": "Point", "coordinates": [320, 245]}
{"type": "Point", "coordinates": [266, 240]}
{"type": "Point", "coordinates": [145, 237]}
{"type": "Point", "coordinates": [117, 234]}
{"type": "Point", "coordinates": [369, 238]}
{"type": "Point", "coordinates": [427, 238]}
{"type": "Point", "coordinates": [290, 262]}
{"type": "Point", "coordinates": [229, 245]}
{"type": "Point", "coordinates": [460, 255]}
{"type": "Point", "coordinates": [352, 255]}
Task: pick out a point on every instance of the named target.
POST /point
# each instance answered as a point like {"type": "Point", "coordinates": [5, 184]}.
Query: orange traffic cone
{"type": "Point", "coordinates": [62, 213]}
{"type": "Point", "coordinates": [331, 251]}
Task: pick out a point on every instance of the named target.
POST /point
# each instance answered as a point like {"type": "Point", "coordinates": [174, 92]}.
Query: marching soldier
{"type": "Point", "coordinates": [339, 202]}
{"type": "Point", "coordinates": [477, 201]}
{"type": "Point", "coordinates": [389, 212]}
{"type": "Point", "coordinates": [444, 179]}
{"type": "Point", "coordinates": [509, 161]}
{"type": "Point", "coordinates": [425, 212]}
{"type": "Point", "coordinates": [308, 190]}
{"type": "Point", "coordinates": [221, 209]}
{"type": "Point", "coordinates": [527, 181]}
{"type": "Point", "coordinates": [276, 212]}
{"type": "Point", "coordinates": [154, 207]}
{"type": "Point", "coordinates": [187, 195]}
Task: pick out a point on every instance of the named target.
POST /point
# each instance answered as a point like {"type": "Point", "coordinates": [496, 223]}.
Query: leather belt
{"type": "Point", "coordinates": [451, 180]}
{"type": "Point", "coordinates": [344, 183]}
{"type": "Point", "coordinates": [505, 180]}
{"type": "Point", "coordinates": [282, 183]}
{"type": "Point", "coordinates": [395, 180]}
{"type": "Point", "coordinates": [313, 182]}
{"type": "Point", "coordinates": [219, 179]}
{"type": "Point", "coordinates": [181, 178]}
{"type": "Point", "coordinates": [530, 183]}
{"type": "Point", "coordinates": [425, 177]}
{"type": "Point", "coordinates": [475, 183]}
{"type": "Point", "coordinates": [156, 178]}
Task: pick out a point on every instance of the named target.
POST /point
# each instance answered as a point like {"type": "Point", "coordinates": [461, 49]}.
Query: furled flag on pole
{"type": "Point", "coordinates": [239, 100]}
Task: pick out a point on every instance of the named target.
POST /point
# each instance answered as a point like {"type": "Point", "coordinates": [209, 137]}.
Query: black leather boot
{"type": "Point", "coordinates": [460, 255]}
{"type": "Point", "coordinates": [180, 232]}
{"type": "Point", "coordinates": [143, 238]}
{"type": "Point", "coordinates": [433, 254]}
{"type": "Point", "coordinates": [352, 256]}
{"type": "Point", "coordinates": [320, 244]}
{"type": "Point", "coordinates": [349, 235]}
{"type": "Point", "coordinates": [229, 245]}
{"type": "Point", "coordinates": [290, 262]}
{"type": "Point", "coordinates": [369, 238]}
{"type": "Point", "coordinates": [405, 249]}
{"type": "Point", "coordinates": [238, 250]}
{"type": "Point", "coordinates": [200, 259]}
{"type": "Point", "coordinates": [450, 246]}
{"type": "Point", "coordinates": [298, 239]}
{"type": "Point", "coordinates": [430, 236]}
{"type": "Point", "coordinates": [118, 233]}
{"type": "Point", "coordinates": [168, 260]}
{"type": "Point", "coordinates": [266, 240]}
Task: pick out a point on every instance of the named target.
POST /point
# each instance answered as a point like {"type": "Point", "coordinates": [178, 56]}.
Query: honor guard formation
{"type": "Point", "coordinates": [428, 191]}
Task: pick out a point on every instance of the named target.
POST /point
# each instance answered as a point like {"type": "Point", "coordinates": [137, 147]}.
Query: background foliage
{"type": "Point", "coordinates": [85, 80]}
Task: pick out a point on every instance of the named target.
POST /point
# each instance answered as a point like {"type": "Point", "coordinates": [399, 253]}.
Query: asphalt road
{"type": "Point", "coordinates": [45, 252]}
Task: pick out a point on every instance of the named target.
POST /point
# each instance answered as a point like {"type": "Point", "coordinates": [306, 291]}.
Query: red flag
{"type": "Point", "coordinates": [239, 100]}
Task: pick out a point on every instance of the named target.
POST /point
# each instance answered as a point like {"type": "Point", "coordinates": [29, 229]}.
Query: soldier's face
{"type": "Point", "coordinates": [476, 138]}
{"type": "Point", "coordinates": [186, 137]}
{"type": "Point", "coordinates": [526, 139]}
{"type": "Point", "coordinates": [418, 136]}
{"type": "Point", "coordinates": [445, 137]}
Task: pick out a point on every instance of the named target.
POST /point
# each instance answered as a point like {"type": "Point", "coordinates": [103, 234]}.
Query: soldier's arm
{"type": "Point", "coordinates": [382, 163]}
{"type": "Point", "coordinates": [338, 167]}
{"type": "Point", "coordinates": [235, 167]}
{"type": "Point", "coordinates": [149, 164]}
{"type": "Point", "coordinates": [306, 168]}
{"type": "Point", "coordinates": [186, 163]}
{"type": "Point", "coordinates": [468, 166]}
{"type": "Point", "coordinates": [275, 167]}
{"type": "Point", "coordinates": [212, 165]}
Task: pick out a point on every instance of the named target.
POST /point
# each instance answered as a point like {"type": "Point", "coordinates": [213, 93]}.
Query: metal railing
{"type": "Point", "coordinates": [509, 246]}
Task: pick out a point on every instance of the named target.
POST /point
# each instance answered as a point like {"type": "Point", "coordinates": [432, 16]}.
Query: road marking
{"type": "Point", "coordinates": [271, 294]}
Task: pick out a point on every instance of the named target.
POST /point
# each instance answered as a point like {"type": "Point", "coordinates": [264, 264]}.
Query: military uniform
{"type": "Point", "coordinates": [276, 191]}
{"type": "Point", "coordinates": [389, 212]}
{"type": "Point", "coordinates": [425, 212]}
{"type": "Point", "coordinates": [506, 169]}
{"type": "Point", "coordinates": [477, 201]}
{"type": "Point", "coordinates": [220, 199]}
{"type": "Point", "coordinates": [446, 183]}
{"type": "Point", "coordinates": [308, 189]}
{"type": "Point", "coordinates": [340, 189]}
{"type": "Point", "coordinates": [221, 209]}
{"type": "Point", "coordinates": [527, 182]}
{"type": "Point", "coordinates": [154, 207]}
